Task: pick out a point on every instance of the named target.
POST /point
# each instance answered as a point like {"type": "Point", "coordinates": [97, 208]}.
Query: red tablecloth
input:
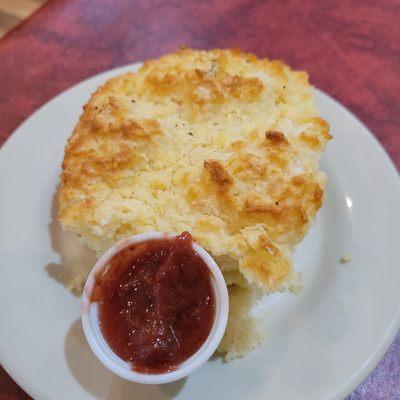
{"type": "Point", "coordinates": [351, 50]}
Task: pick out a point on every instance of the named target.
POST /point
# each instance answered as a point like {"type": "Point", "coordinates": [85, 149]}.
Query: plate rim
{"type": "Point", "coordinates": [390, 168]}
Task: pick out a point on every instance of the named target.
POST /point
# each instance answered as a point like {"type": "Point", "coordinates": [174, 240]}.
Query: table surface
{"type": "Point", "coordinates": [351, 50]}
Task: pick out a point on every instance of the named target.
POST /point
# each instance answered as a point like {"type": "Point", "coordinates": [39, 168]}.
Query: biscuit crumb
{"type": "Point", "coordinates": [345, 259]}
{"type": "Point", "coordinates": [77, 283]}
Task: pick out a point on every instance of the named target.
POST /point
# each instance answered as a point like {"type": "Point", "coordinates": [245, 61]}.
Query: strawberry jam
{"type": "Point", "coordinates": [156, 303]}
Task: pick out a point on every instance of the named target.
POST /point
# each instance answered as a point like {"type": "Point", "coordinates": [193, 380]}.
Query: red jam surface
{"type": "Point", "coordinates": [156, 303]}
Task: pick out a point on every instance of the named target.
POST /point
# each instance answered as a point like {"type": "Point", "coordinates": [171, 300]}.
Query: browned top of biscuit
{"type": "Point", "coordinates": [219, 143]}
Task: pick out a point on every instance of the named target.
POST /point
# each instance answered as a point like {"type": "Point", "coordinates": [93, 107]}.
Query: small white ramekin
{"type": "Point", "coordinates": [120, 367]}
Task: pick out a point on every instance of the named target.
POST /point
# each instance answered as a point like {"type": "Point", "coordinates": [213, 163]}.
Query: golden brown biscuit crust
{"type": "Point", "coordinates": [218, 142]}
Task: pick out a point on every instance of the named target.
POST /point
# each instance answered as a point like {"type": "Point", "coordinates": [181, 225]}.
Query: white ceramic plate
{"type": "Point", "coordinates": [319, 345]}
